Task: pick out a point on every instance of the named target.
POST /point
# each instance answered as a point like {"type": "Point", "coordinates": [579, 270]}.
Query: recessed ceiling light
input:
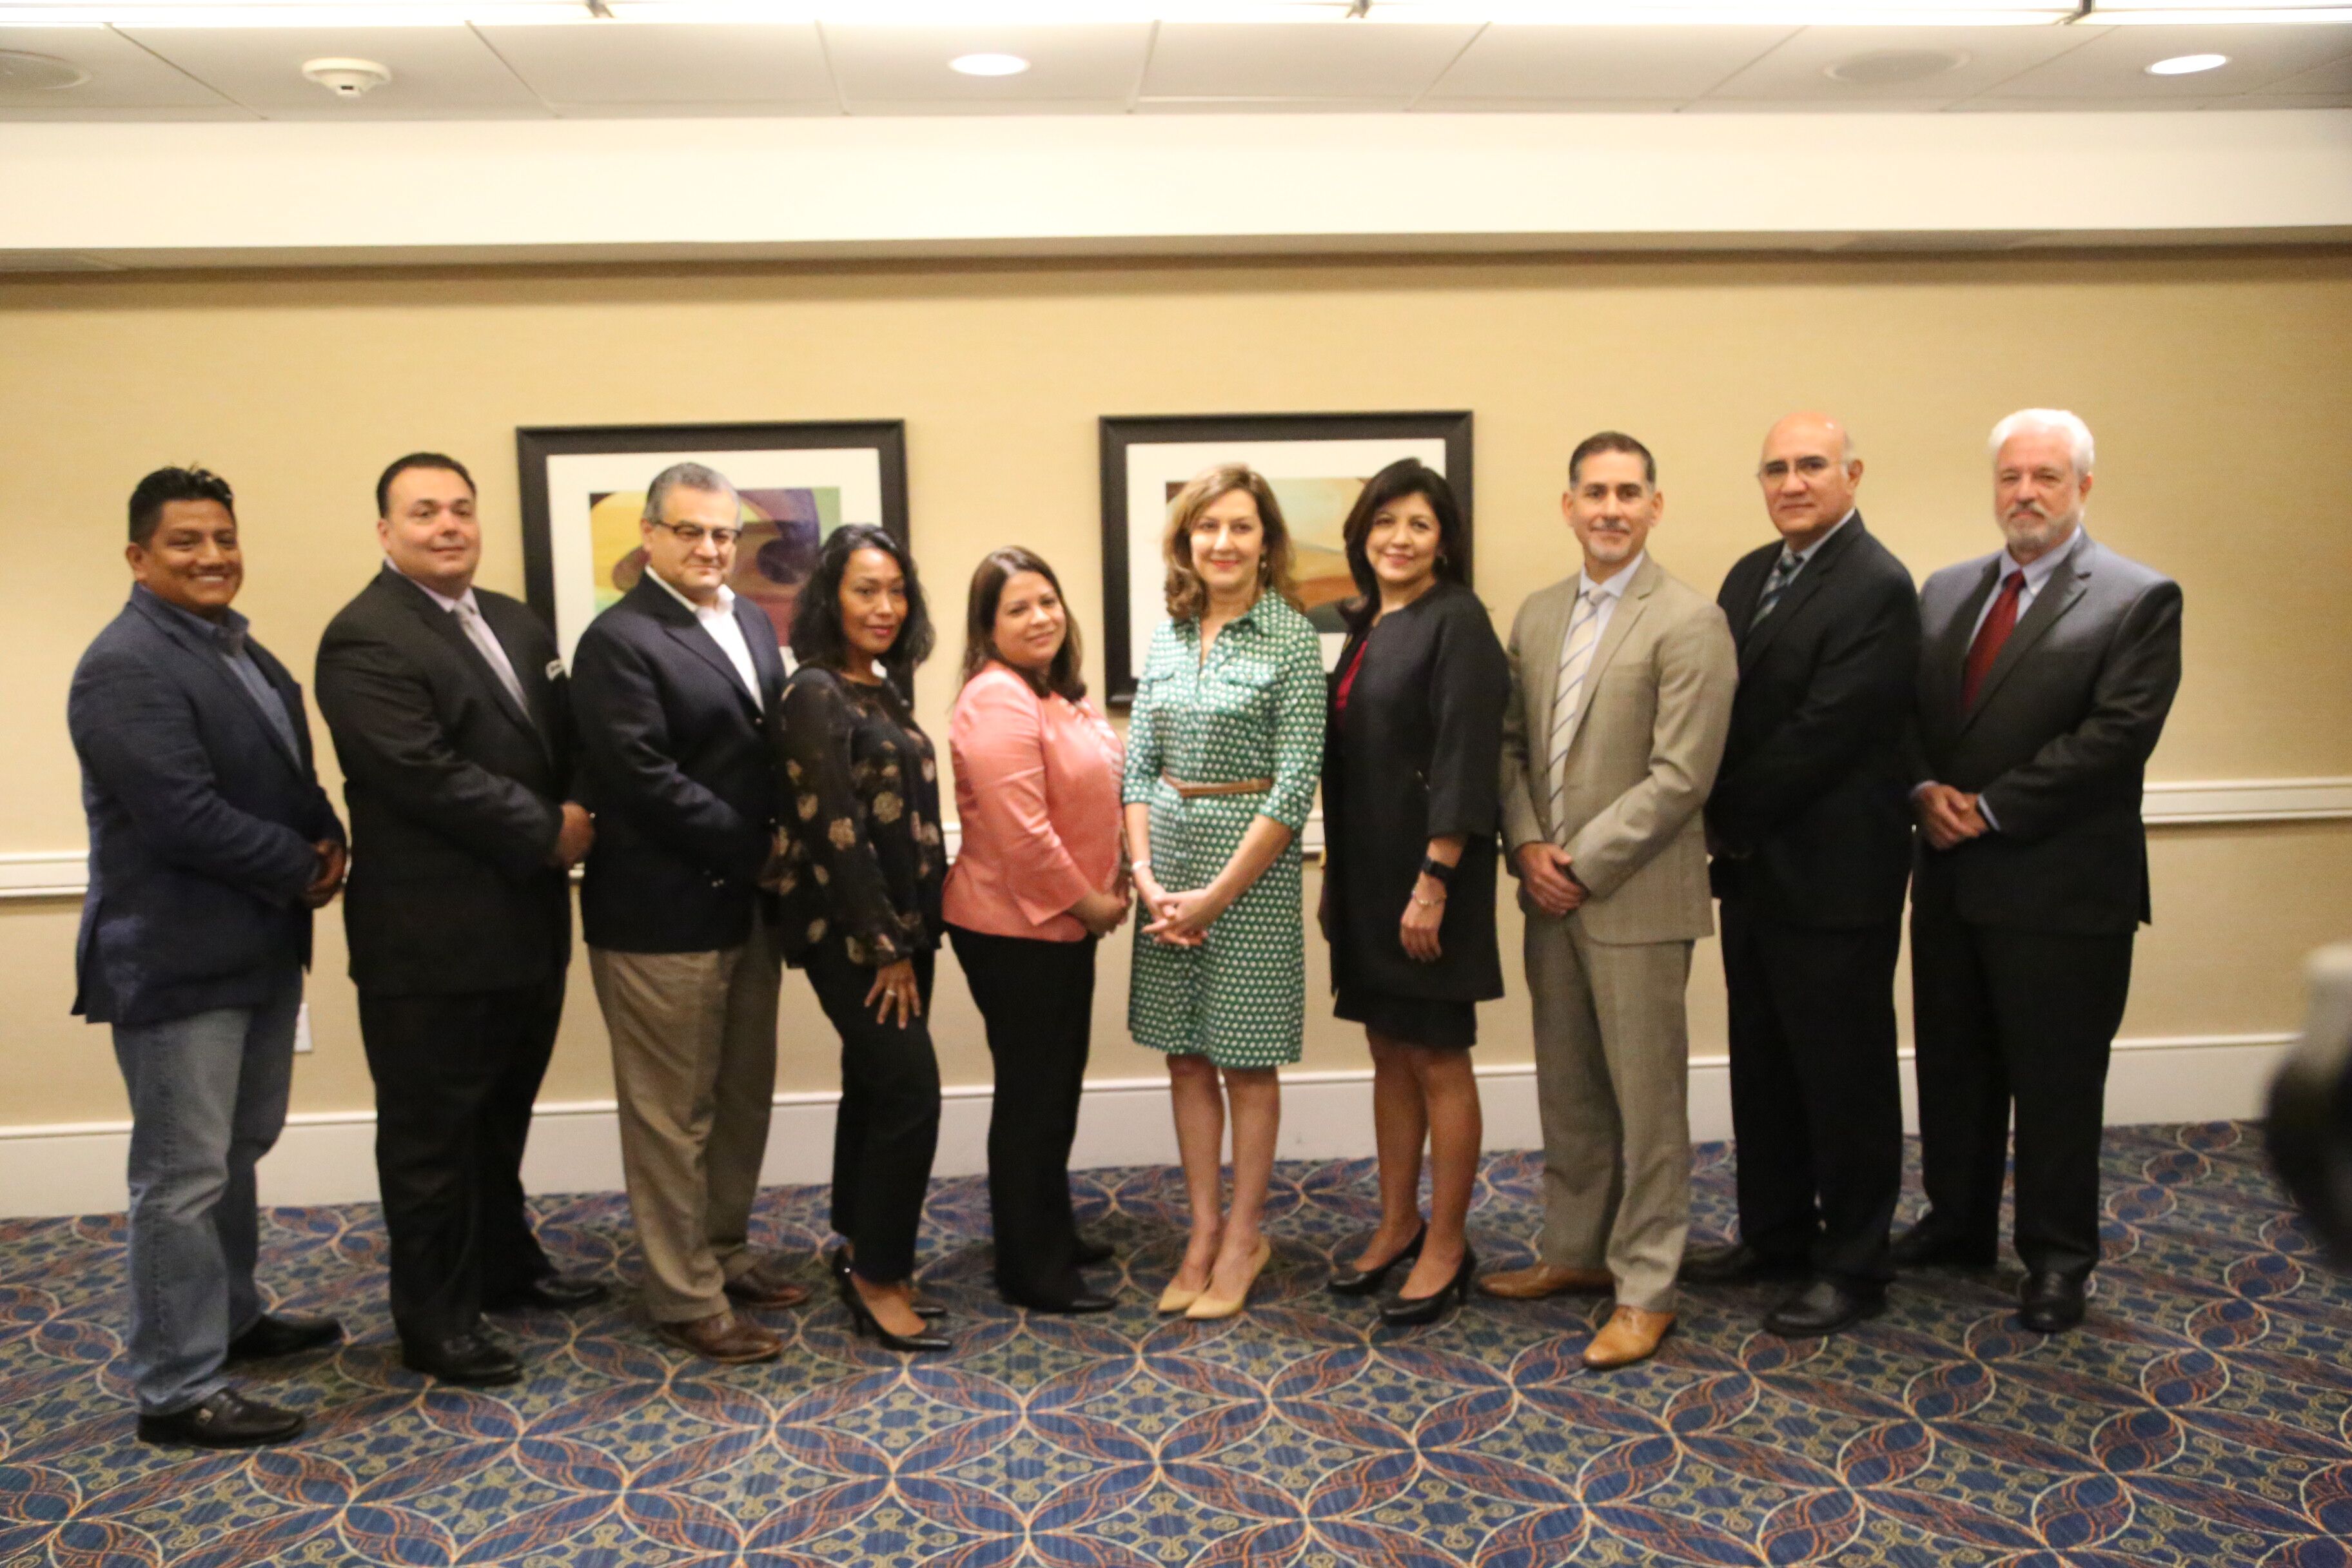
{"type": "Point", "coordinates": [989, 65]}
{"type": "Point", "coordinates": [20, 71]}
{"type": "Point", "coordinates": [1892, 67]}
{"type": "Point", "coordinates": [2188, 65]}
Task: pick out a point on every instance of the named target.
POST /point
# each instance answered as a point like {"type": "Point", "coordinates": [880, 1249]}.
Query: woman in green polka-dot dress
{"type": "Point", "coordinates": [1222, 757]}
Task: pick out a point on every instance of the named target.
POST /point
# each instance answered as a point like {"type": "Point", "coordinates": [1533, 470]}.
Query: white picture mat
{"type": "Point", "coordinates": [1152, 467]}
{"type": "Point", "coordinates": [572, 478]}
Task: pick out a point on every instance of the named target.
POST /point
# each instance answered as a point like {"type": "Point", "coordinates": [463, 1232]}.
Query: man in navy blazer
{"type": "Point", "coordinates": [210, 844]}
{"type": "Point", "coordinates": [2045, 674]}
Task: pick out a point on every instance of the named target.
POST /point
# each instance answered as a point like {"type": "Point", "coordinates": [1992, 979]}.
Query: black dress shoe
{"type": "Point", "coordinates": [1824, 1306]}
{"type": "Point", "coordinates": [1411, 1311]}
{"type": "Point", "coordinates": [226, 1420]}
{"type": "Point", "coordinates": [1089, 1252]}
{"type": "Point", "coordinates": [1736, 1263]}
{"type": "Point", "coordinates": [2051, 1304]}
{"type": "Point", "coordinates": [472, 1358]}
{"type": "Point", "coordinates": [1076, 1304]}
{"type": "Point", "coordinates": [837, 1263]}
{"type": "Point", "coordinates": [553, 1293]}
{"type": "Point", "coordinates": [273, 1336]}
{"type": "Point", "coordinates": [1926, 1246]}
{"type": "Point", "coordinates": [1364, 1282]}
{"type": "Point", "coordinates": [862, 1318]}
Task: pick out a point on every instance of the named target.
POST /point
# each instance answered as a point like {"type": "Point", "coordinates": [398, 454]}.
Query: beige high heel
{"type": "Point", "coordinates": [1175, 1299]}
{"type": "Point", "coordinates": [1207, 1306]}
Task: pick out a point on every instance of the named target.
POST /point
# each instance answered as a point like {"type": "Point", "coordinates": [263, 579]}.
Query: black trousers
{"type": "Point", "coordinates": [2003, 1014]}
{"type": "Point", "coordinates": [1037, 1001]}
{"type": "Point", "coordinates": [1816, 1094]}
{"type": "Point", "coordinates": [889, 1124]}
{"type": "Point", "coordinates": [454, 1079]}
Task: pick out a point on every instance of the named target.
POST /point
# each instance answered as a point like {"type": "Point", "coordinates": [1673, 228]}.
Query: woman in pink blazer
{"type": "Point", "coordinates": [1041, 876]}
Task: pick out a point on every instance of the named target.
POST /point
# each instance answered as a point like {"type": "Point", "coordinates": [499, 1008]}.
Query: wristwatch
{"type": "Point", "coordinates": [1436, 870]}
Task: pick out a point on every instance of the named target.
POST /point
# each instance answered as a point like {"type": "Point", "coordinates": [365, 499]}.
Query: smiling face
{"type": "Point", "coordinates": [1402, 543]}
{"type": "Point", "coordinates": [428, 530]}
{"type": "Point", "coordinates": [192, 558]}
{"type": "Point", "coordinates": [692, 548]}
{"type": "Point", "coordinates": [2037, 496]}
{"type": "Point", "coordinates": [1612, 509]}
{"type": "Point", "coordinates": [873, 606]}
{"type": "Point", "coordinates": [1228, 546]}
{"type": "Point", "coordinates": [1807, 477]}
{"type": "Point", "coordinates": [1031, 623]}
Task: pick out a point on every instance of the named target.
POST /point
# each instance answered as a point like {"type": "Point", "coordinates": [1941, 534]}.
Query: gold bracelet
{"type": "Point", "coordinates": [1427, 903]}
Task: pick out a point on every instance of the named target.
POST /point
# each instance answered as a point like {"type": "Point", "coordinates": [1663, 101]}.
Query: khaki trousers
{"type": "Point", "coordinates": [694, 1068]}
{"type": "Point", "coordinates": [1612, 1064]}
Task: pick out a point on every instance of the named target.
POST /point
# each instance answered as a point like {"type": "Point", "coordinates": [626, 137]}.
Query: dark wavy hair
{"type": "Point", "coordinates": [817, 637]}
{"type": "Point", "coordinates": [996, 569]}
{"type": "Point", "coordinates": [1405, 476]}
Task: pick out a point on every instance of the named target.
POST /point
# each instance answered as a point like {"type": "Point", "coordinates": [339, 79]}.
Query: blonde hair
{"type": "Point", "coordinates": [1187, 594]}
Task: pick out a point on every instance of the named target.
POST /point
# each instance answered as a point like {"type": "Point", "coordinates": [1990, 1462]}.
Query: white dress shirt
{"type": "Point", "coordinates": [718, 620]}
{"type": "Point", "coordinates": [1610, 593]}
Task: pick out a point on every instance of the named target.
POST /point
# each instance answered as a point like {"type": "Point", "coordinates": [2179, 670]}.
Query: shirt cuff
{"type": "Point", "coordinates": [1984, 809]}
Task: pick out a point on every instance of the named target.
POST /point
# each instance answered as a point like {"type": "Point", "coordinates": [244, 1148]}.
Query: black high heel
{"type": "Point", "coordinates": [1403, 1314]}
{"type": "Point", "coordinates": [837, 1260]}
{"type": "Point", "coordinates": [1364, 1282]}
{"type": "Point", "coordinates": [862, 1318]}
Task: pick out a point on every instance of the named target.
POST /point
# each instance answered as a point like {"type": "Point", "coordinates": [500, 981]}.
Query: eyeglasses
{"type": "Point", "coordinates": [693, 533]}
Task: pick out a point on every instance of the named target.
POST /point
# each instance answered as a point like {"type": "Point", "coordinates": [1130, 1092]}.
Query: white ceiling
{"type": "Point", "coordinates": [621, 69]}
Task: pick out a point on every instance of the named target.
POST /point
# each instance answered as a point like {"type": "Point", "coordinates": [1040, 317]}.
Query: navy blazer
{"type": "Point", "coordinates": [201, 824]}
{"type": "Point", "coordinates": [679, 771]}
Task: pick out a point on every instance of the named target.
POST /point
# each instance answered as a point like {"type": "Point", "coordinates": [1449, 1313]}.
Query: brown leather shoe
{"type": "Point", "coordinates": [1631, 1334]}
{"type": "Point", "coordinates": [1546, 1279]}
{"type": "Point", "coordinates": [764, 1285]}
{"type": "Point", "coordinates": [727, 1337]}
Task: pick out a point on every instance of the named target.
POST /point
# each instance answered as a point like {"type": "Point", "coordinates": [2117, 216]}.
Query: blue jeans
{"type": "Point", "coordinates": [207, 1099]}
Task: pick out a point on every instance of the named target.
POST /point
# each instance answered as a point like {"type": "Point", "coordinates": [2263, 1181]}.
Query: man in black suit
{"type": "Point", "coordinates": [449, 717]}
{"type": "Point", "coordinates": [210, 844]}
{"type": "Point", "coordinates": [675, 687]}
{"type": "Point", "coordinates": [2044, 678]}
{"type": "Point", "coordinates": [1811, 834]}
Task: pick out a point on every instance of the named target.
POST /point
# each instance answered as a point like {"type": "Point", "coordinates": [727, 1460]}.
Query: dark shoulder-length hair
{"type": "Point", "coordinates": [817, 637]}
{"type": "Point", "coordinates": [996, 569]}
{"type": "Point", "coordinates": [1405, 476]}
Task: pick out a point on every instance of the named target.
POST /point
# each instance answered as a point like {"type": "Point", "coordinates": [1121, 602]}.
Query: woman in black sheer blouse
{"type": "Point", "coordinates": [859, 869]}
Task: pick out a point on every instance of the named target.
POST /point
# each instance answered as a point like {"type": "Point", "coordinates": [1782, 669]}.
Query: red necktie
{"type": "Point", "coordinates": [1998, 625]}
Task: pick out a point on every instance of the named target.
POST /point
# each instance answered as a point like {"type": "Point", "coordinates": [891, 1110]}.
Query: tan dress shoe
{"type": "Point", "coordinates": [1546, 1279]}
{"type": "Point", "coordinates": [1631, 1334]}
{"type": "Point", "coordinates": [764, 1285]}
{"type": "Point", "coordinates": [1206, 1306]}
{"type": "Point", "coordinates": [727, 1337]}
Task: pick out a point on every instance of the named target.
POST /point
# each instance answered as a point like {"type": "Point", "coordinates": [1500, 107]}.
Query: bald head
{"type": "Point", "coordinates": [1809, 474]}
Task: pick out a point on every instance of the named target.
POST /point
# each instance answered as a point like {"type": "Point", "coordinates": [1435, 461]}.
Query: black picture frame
{"type": "Point", "coordinates": [872, 451]}
{"type": "Point", "coordinates": [1131, 543]}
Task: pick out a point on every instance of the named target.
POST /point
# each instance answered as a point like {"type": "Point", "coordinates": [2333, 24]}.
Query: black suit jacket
{"type": "Point", "coordinates": [201, 823]}
{"type": "Point", "coordinates": [2057, 743]}
{"type": "Point", "coordinates": [455, 794]}
{"type": "Point", "coordinates": [1811, 816]}
{"type": "Point", "coordinates": [679, 771]}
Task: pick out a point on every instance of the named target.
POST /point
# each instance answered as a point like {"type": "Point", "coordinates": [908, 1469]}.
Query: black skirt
{"type": "Point", "coordinates": [1430, 1021]}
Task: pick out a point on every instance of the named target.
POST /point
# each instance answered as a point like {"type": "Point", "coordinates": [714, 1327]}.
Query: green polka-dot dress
{"type": "Point", "coordinates": [1253, 709]}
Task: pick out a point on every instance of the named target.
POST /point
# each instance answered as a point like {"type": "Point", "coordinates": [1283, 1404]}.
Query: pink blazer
{"type": "Point", "coordinates": [1037, 793]}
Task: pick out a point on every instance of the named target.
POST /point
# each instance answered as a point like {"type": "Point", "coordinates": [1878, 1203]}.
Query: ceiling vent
{"type": "Point", "coordinates": [21, 72]}
{"type": "Point", "coordinates": [347, 79]}
{"type": "Point", "coordinates": [1895, 67]}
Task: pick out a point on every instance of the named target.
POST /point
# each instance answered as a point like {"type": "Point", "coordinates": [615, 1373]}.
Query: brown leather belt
{"type": "Point", "coordinates": [1232, 786]}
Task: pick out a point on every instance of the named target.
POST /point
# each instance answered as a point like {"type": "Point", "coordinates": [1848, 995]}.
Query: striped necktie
{"type": "Point", "coordinates": [1568, 692]}
{"type": "Point", "coordinates": [1783, 574]}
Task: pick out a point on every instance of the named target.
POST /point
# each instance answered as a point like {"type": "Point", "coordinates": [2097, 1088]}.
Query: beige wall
{"type": "Point", "coordinates": [2216, 383]}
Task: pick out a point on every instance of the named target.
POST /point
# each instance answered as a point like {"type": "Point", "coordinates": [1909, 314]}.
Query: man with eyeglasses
{"type": "Point", "coordinates": [1811, 830]}
{"type": "Point", "coordinates": [449, 716]}
{"type": "Point", "coordinates": [675, 687]}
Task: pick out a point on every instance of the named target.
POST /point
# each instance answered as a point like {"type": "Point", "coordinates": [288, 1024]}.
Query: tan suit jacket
{"type": "Point", "coordinates": [1642, 760]}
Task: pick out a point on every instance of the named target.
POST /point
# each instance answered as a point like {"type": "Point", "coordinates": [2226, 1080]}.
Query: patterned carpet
{"type": "Point", "coordinates": [2202, 1417]}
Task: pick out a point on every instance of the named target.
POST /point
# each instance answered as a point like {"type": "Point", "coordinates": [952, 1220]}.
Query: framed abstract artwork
{"type": "Point", "coordinates": [584, 490]}
{"type": "Point", "coordinates": [1316, 463]}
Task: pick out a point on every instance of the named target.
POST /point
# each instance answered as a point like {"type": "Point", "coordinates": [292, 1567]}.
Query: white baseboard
{"type": "Point", "coordinates": [330, 1158]}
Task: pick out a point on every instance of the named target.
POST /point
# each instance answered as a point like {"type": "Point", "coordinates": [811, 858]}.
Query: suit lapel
{"type": "Point", "coordinates": [2057, 597]}
{"type": "Point", "coordinates": [210, 659]}
{"type": "Point", "coordinates": [443, 624]}
{"type": "Point", "coordinates": [1793, 598]}
{"type": "Point", "coordinates": [1612, 636]}
{"type": "Point", "coordinates": [1949, 656]}
{"type": "Point", "coordinates": [1542, 654]}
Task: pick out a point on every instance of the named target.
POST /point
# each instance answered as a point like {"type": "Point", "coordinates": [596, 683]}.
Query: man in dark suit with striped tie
{"type": "Point", "coordinates": [2045, 674]}
{"type": "Point", "coordinates": [1811, 834]}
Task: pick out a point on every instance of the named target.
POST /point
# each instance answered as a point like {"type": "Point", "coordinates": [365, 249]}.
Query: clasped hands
{"type": "Point", "coordinates": [333, 861]}
{"type": "Point", "coordinates": [574, 838]}
{"type": "Point", "coordinates": [1179, 919]}
{"type": "Point", "coordinates": [1948, 816]}
{"type": "Point", "coordinates": [1544, 873]}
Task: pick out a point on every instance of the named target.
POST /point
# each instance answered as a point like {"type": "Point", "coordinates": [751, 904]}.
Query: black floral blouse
{"type": "Point", "coordinates": [859, 861]}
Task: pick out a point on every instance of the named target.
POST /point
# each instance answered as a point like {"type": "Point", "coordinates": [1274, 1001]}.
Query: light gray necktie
{"type": "Point", "coordinates": [477, 632]}
{"type": "Point", "coordinates": [1568, 692]}
{"type": "Point", "coordinates": [1784, 572]}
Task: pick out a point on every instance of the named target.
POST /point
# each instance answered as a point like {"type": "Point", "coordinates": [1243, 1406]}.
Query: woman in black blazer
{"type": "Point", "coordinates": [1409, 811]}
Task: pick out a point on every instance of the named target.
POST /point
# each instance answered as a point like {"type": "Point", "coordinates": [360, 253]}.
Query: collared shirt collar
{"type": "Point", "coordinates": [724, 606]}
{"type": "Point", "coordinates": [1619, 580]}
{"type": "Point", "coordinates": [1809, 550]}
{"type": "Point", "coordinates": [228, 634]}
{"type": "Point", "coordinates": [464, 600]}
{"type": "Point", "coordinates": [2039, 571]}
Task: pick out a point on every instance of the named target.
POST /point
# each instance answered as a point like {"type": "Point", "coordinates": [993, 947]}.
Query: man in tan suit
{"type": "Point", "coordinates": [1621, 679]}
